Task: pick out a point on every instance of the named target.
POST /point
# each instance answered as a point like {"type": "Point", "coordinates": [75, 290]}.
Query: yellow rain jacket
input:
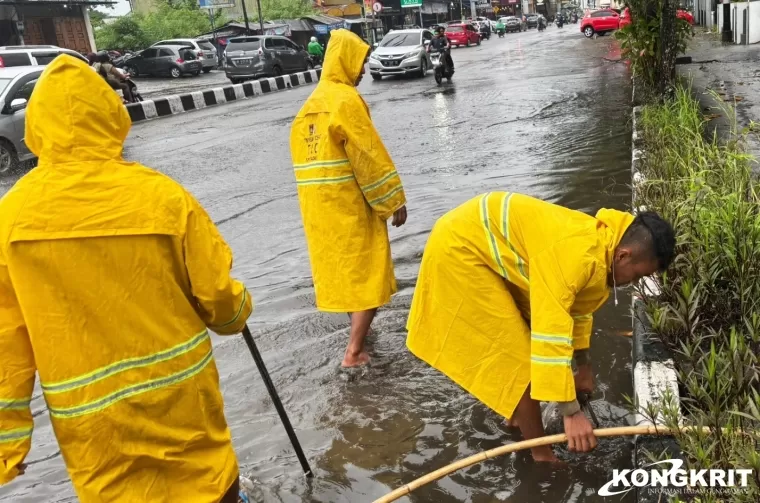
{"type": "Point", "coordinates": [347, 186]}
{"type": "Point", "coordinates": [110, 274]}
{"type": "Point", "coordinates": [506, 292]}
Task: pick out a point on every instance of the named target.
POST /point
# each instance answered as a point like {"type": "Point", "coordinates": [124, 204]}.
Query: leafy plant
{"type": "Point", "coordinates": [708, 311]}
{"type": "Point", "coordinates": [652, 57]}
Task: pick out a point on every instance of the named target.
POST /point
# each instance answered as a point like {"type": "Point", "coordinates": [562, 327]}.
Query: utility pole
{"type": "Point", "coordinates": [473, 10]}
{"type": "Point", "coordinates": [261, 19]}
{"type": "Point", "coordinates": [245, 16]}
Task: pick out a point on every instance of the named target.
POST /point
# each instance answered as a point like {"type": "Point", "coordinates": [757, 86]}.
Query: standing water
{"type": "Point", "coordinates": [544, 114]}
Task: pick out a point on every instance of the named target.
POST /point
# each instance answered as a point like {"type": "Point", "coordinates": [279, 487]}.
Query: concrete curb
{"type": "Point", "coordinates": [176, 104]}
{"type": "Point", "coordinates": [653, 368]}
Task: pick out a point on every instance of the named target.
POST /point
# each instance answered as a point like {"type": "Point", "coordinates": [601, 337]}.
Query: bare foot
{"type": "Point", "coordinates": [545, 456]}
{"type": "Point", "coordinates": [355, 360]}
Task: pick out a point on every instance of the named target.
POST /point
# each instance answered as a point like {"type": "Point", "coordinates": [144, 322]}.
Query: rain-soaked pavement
{"type": "Point", "coordinates": [541, 113]}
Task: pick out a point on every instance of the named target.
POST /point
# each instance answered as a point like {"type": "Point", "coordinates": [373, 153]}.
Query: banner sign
{"type": "Point", "coordinates": [216, 4]}
{"type": "Point", "coordinates": [410, 3]}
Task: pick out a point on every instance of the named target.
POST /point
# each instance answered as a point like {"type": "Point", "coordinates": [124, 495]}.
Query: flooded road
{"type": "Point", "coordinates": [544, 114]}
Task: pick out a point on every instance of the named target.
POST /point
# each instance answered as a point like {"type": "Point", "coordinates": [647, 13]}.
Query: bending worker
{"type": "Point", "coordinates": [348, 188]}
{"type": "Point", "coordinates": [111, 276]}
{"type": "Point", "coordinates": [505, 297]}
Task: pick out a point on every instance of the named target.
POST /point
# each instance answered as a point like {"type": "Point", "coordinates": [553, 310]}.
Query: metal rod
{"type": "Point", "coordinates": [277, 403]}
{"type": "Point", "coordinates": [261, 19]}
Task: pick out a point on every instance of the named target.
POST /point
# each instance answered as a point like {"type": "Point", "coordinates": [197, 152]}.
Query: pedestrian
{"type": "Point", "coordinates": [348, 188]}
{"type": "Point", "coordinates": [505, 297]}
{"type": "Point", "coordinates": [111, 275]}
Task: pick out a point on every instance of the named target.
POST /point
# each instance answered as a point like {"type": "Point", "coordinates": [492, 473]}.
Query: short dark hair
{"type": "Point", "coordinates": [653, 234]}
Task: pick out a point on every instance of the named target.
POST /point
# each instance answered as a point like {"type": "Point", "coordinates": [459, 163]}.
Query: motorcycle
{"type": "Point", "coordinates": [316, 61]}
{"type": "Point", "coordinates": [541, 26]}
{"type": "Point", "coordinates": [136, 97]}
{"type": "Point", "coordinates": [501, 32]}
{"type": "Point", "coordinates": [440, 67]}
{"type": "Point", "coordinates": [560, 22]}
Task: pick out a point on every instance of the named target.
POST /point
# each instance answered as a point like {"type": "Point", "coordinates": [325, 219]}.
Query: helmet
{"type": "Point", "coordinates": [103, 57]}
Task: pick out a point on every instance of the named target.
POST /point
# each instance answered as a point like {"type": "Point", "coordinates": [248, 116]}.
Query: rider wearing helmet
{"type": "Point", "coordinates": [442, 44]}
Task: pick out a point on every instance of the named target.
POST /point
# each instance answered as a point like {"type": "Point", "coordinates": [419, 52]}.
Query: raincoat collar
{"type": "Point", "coordinates": [614, 223]}
{"type": "Point", "coordinates": [74, 115]}
{"type": "Point", "coordinates": [345, 57]}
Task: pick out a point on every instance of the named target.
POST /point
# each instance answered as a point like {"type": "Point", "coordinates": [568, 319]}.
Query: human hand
{"type": "Point", "coordinates": [584, 379]}
{"type": "Point", "coordinates": [399, 217]}
{"type": "Point", "coordinates": [580, 433]}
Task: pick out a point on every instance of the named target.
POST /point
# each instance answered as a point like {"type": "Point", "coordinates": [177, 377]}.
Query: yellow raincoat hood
{"type": "Point", "coordinates": [74, 115]}
{"type": "Point", "coordinates": [345, 58]}
{"type": "Point", "coordinates": [616, 223]}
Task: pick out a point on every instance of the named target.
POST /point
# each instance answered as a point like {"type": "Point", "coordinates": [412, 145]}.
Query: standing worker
{"type": "Point", "coordinates": [111, 275]}
{"type": "Point", "coordinates": [348, 188]}
{"type": "Point", "coordinates": [505, 297]}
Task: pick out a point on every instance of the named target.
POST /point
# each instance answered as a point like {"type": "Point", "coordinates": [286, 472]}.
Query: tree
{"type": "Point", "coordinates": [125, 32]}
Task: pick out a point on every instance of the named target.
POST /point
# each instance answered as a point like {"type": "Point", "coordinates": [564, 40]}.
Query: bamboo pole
{"type": "Point", "coordinates": [518, 446]}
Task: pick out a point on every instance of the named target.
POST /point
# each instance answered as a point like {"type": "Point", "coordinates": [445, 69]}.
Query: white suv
{"type": "Point", "coordinates": [33, 55]}
{"type": "Point", "coordinates": [204, 49]}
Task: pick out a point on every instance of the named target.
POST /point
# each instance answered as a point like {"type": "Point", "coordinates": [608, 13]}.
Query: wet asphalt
{"type": "Point", "coordinates": [546, 114]}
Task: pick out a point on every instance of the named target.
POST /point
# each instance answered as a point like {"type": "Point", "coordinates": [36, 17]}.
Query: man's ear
{"type": "Point", "coordinates": [623, 253]}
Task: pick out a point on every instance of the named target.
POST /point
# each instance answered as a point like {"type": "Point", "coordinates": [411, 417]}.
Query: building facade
{"type": "Point", "coordinates": [48, 22]}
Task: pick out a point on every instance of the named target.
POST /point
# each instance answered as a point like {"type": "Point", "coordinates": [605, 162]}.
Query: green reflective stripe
{"type": "Point", "coordinates": [378, 183]}
{"type": "Point", "coordinates": [320, 164]}
{"type": "Point", "coordinates": [552, 360]}
{"type": "Point", "coordinates": [552, 338]}
{"type": "Point", "coordinates": [15, 403]}
{"type": "Point", "coordinates": [16, 434]}
{"type": "Point", "coordinates": [240, 311]}
{"type": "Point", "coordinates": [519, 262]}
{"type": "Point", "coordinates": [133, 390]}
{"type": "Point", "coordinates": [583, 317]}
{"type": "Point", "coordinates": [387, 196]}
{"type": "Point", "coordinates": [325, 180]}
{"type": "Point", "coordinates": [121, 366]}
{"type": "Point", "coordinates": [490, 237]}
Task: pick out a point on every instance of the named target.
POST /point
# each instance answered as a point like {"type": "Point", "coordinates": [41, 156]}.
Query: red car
{"type": "Point", "coordinates": [600, 22]}
{"type": "Point", "coordinates": [625, 17]}
{"type": "Point", "coordinates": [462, 34]}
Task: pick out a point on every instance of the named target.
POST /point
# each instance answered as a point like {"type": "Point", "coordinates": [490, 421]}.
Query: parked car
{"type": "Point", "coordinates": [172, 60]}
{"type": "Point", "coordinates": [401, 52]}
{"type": "Point", "coordinates": [531, 20]}
{"type": "Point", "coordinates": [263, 56]}
{"type": "Point", "coordinates": [513, 24]}
{"type": "Point", "coordinates": [33, 55]}
{"type": "Point", "coordinates": [204, 50]}
{"type": "Point", "coordinates": [600, 22]}
{"type": "Point", "coordinates": [462, 34]}
{"type": "Point", "coordinates": [16, 86]}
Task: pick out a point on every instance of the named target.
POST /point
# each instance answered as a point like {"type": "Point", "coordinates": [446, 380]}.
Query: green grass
{"type": "Point", "coordinates": [709, 309]}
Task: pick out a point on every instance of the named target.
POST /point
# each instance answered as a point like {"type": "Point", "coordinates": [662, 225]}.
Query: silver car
{"type": "Point", "coordinates": [401, 52]}
{"type": "Point", "coordinates": [263, 56]}
{"type": "Point", "coordinates": [16, 86]}
{"type": "Point", "coordinates": [204, 50]}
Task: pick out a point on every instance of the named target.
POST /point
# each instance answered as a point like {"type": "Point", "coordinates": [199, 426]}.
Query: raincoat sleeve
{"type": "Point", "coordinates": [373, 167]}
{"type": "Point", "coordinates": [582, 326]}
{"type": "Point", "coordinates": [17, 370]}
{"type": "Point", "coordinates": [223, 303]}
{"type": "Point", "coordinates": [557, 274]}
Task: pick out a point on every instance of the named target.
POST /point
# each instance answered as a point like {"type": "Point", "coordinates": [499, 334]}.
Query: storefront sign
{"type": "Point", "coordinates": [216, 4]}
{"type": "Point", "coordinates": [410, 3]}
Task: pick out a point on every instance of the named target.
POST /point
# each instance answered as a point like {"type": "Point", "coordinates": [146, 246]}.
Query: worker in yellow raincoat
{"type": "Point", "coordinates": [348, 187]}
{"type": "Point", "coordinates": [111, 276]}
{"type": "Point", "coordinates": [505, 297]}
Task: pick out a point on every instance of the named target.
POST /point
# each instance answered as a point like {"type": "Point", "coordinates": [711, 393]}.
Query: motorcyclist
{"type": "Point", "coordinates": [500, 26]}
{"type": "Point", "coordinates": [441, 43]}
{"type": "Point", "coordinates": [315, 50]}
{"type": "Point", "coordinates": [112, 75]}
